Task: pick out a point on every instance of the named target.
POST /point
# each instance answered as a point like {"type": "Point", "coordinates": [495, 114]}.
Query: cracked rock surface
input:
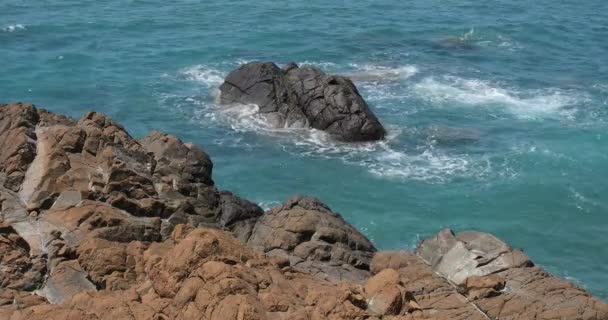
{"type": "Point", "coordinates": [303, 97]}
{"type": "Point", "coordinates": [95, 224]}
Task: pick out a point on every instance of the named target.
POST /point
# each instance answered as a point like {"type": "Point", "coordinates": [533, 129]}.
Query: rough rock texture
{"type": "Point", "coordinates": [66, 161]}
{"type": "Point", "coordinates": [205, 274]}
{"type": "Point", "coordinates": [97, 225]}
{"type": "Point", "coordinates": [63, 180]}
{"type": "Point", "coordinates": [19, 270]}
{"type": "Point", "coordinates": [303, 97]}
{"type": "Point", "coordinates": [314, 239]}
{"type": "Point", "coordinates": [503, 282]}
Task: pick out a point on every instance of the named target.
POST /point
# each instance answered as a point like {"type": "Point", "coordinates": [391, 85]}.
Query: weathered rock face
{"type": "Point", "coordinates": [19, 270]}
{"type": "Point", "coordinates": [63, 161]}
{"type": "Point", "coordinates": [65, 181]}
{"type": "Point", "coordinates": [303, 97]}
{"type": "Point", "coordinates": [313, 239]}
{"type": "Point", "coordinates": [201, 274]}
{"type": "Point", "coordinates": [17, 133]}
{"type": "Point", "coordinates": [97, 225]}
{"type": "Point", "coordinates": [502, 282]}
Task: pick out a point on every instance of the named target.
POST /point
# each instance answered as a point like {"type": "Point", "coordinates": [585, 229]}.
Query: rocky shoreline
{"type": "Point", "coordinates": [98, 225]}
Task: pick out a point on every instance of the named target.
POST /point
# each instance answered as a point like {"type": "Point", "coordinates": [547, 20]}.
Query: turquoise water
{"type": "Point", "coordinates": [497, 112]}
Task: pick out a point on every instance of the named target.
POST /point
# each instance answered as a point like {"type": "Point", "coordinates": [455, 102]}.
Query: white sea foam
{"type": "Point", "coordinates": [13, 28]}
{"type": "Point", "coordinates": [388, 158]}
{"type": "Point", "coordinates": [242, 118]}
{"type": "Point", "coordinates": [267, 205]}
{"type": "Point", "coordinates": [581, 201]}
{"type": "Point", "coordinates": [450, 90]}
{"type": "Point", "coordinates": [378, 73]}
{"type": "Point", "coordinates": [382, 158]}
{"type": "Point", "coordinates": [325, 65]}
{"type": "Point", "coordinates": [430, 165]}
{"type": "Point", "coordinates": [206, 75]}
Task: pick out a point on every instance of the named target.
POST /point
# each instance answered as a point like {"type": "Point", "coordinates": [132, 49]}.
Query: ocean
{"type": "Point", "coordinates": [497, 112]}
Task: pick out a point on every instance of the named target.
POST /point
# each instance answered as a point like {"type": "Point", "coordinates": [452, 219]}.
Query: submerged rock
{"type": "Point", "coordinates": [97, 225]}
{"type": "Point", "coordinates": [303, 97]}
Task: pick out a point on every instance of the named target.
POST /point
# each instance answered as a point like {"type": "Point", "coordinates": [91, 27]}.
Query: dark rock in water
{"type": "Point", "coordinates": [303, 97]}
{"type": "Point", "coordinates": [263, 84]}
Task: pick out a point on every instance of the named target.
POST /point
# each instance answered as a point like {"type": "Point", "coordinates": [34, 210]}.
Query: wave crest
{"type": "Point", "coordinates": [472, 92]}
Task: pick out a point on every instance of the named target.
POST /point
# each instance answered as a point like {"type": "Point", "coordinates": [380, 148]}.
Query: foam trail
{"type": "Point", "coordinates": [204, 74]}
{"type": "Point", "coordinates": [382, 158]}
{"type": "Point", "coordinates": [473, 92]}
{"type": "Point", "coordinates": [374, 73]}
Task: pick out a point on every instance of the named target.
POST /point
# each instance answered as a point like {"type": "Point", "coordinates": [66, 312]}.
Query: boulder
{"type": "Point", "coordinates": [386, 301]}
{"type": "Point", "coordinates": [303, 97]}
{"type": "Point", "coordinates": [470, 253]}
{"type": "Point", "coordinates": [177, 162]}
{"type": "Point", "coordinates": [202, 274]}
{"type": "Point", "coordinates": [314, 238]}
{"type": "Point", "coordinates": [503, 282]}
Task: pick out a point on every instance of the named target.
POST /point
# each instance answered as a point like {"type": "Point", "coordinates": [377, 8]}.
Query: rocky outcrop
{"type": "Point", "coordinates": [313, 239]}
{"type": "Point", "coordinates": [67, 161]}
{"type": "Point", "coordinates": [203, 274]}
{"type": "Point", "coordinates": [95, 224]}
{"type": "Point", "coordinates": [503, 282]}
{"type": "Point", "coordinates": [64, 181]}
{"type": "Point", "coordinates": [303, 97]}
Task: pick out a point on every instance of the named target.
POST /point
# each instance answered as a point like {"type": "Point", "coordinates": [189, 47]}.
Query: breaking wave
{"type": "Point", "coordinates": [396, 157]}
{"type": "Point", "coordinates": [532, 104]}
{"type": "Point", "coordinates": [203, 74]}
{"type": "Point", "coordinates": [386, 158]}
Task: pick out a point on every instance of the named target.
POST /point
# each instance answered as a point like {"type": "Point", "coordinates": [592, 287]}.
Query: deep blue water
{"type": "Point", "coordinates": [497, 111]}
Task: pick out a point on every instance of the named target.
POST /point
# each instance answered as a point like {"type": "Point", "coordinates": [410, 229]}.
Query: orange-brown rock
{"type": "Point", "coordinates": [97, 225]}
{"type": "Point", "coordinates": [208, 274]}
{"type": "Point", "coordinates": [502, 282]}
{"type": "Point", "coordinates": [18, 270]}
{"type": "Point", "coordinates": [315, 240]}
{"type": "Point", "coordinates": [479, 287]}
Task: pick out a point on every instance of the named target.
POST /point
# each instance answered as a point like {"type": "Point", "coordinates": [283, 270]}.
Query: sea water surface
{"type": "Point", "coordinates": [497, 111]}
